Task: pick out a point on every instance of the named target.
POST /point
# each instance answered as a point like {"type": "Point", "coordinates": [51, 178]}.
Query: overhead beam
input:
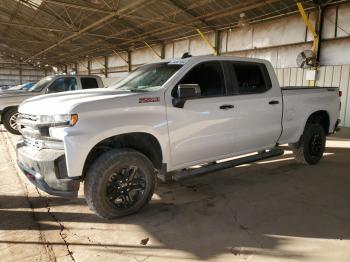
{"type": "Point", "coordinates": [34, 27]}
{"type": "Point", "coordinates": [51, 13]}
{"type": "Point", "coordinates": [87, 28]}
{"type": "Point", "coordinates": [81, 7]}
{"type": "Point", "coordinates": [248, 5]}
{"type": "Point", "coordinates": [98, 22]}
{"type": "Point", "coordinates": [188, 12]}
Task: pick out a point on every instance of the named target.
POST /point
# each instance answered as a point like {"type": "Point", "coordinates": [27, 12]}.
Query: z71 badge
{"type": "Point", "coordinates": [149, 99]}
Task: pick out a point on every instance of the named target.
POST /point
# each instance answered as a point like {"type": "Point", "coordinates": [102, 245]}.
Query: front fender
{"type": "Point", "coordinates": [78, 142]}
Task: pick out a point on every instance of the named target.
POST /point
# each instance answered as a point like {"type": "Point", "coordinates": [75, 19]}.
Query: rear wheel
{"type": "Point", "coordinates": [119, 183]}
{"type": "Point", "coordinates": [312, 145]}
{"type": "Point", "coordinates": [10, 121]}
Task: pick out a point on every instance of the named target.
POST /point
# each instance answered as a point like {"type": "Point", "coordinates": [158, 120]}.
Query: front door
{"type": "Point", "coordinates": [201, 129]}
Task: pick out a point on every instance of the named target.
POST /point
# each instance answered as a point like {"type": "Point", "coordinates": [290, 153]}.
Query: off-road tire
{"type": "Point", "coordinates": [7, 121]}
{"type": "Point", "coordinates": [96, 181]}
{"type": "Point", "coordinates": [303, 151]}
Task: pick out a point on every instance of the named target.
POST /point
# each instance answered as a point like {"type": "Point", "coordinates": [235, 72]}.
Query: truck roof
{"type": "Point", "coordinates": [210, 58]}
{"type": "Point", "coordinates": [60, 75]}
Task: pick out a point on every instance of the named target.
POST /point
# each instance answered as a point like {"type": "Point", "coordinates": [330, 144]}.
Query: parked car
{"type": "Point", "coordinates": [163, 119]}
{"type": "Point", "coordinates": [24, 87]}
{"type": "Point", "coordinates": [11, 99]}
{"type": "Point", "coordinates": [4, 87]}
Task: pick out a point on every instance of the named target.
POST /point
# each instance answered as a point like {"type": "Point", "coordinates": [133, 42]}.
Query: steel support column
{"type": "Point", "coordinates": [20, 74]}
{"type": "Point", "coordinates": [319, 29]}
{"type": "Point", "coordinates": [106, 66]}
{"type": "Point", "coordinates": [162, 51]}
{"type": "Point", "coordinates": [217, 41]}
{"type": "Point", "coordinates": [129, 61]}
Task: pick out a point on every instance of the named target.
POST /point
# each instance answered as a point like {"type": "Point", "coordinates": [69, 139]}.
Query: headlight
{"type": "Point", "coordinates": [59, 120]}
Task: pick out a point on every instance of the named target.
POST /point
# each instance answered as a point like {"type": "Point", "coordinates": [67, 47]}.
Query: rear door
{"type": "Point", "coordinates": [257, 104]}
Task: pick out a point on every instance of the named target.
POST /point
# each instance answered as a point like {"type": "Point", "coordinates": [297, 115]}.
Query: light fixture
{"type": "Point", "coordinates": [96, 2]}
{"type": "Point", "coordinates": [243, 21]}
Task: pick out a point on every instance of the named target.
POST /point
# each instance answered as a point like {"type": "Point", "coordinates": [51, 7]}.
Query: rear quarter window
{"type": "Point", "coordinates": [88, 82]}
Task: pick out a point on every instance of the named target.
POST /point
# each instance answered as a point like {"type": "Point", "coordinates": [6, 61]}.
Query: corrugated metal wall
{"type": "Point", "coordinates": [335, 76]}
{"type": "Point", "coordinates": [12, 73]}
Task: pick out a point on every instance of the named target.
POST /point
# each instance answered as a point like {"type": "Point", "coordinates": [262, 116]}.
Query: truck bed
{"type": "Point", "coordinates": [306, 87]}
{"type": "Point", "coordinates": [299, 102]}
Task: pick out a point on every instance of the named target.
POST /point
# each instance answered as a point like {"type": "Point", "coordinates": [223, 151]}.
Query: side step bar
{"type": "Point", "coordinates": [187, 173]}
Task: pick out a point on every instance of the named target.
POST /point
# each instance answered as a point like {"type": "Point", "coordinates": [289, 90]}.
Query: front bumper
{"type": "Point", "coordinates": [47, 170]}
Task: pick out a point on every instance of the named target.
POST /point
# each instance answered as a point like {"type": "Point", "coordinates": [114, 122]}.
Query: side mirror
{"type": "Point", "coordinates": [184, 92]}
{"type": "Point", "coordinates": [48, 89]}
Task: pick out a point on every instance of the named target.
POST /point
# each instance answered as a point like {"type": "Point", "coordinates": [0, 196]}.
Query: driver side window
{"type": "Point", "coordinates": [209, 76]}
{"type": "Point", "coordinates": [63, 84]}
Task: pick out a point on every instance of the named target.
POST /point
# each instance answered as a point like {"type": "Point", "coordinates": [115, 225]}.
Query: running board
{"type": "Point", "coordinates": [187, 173]}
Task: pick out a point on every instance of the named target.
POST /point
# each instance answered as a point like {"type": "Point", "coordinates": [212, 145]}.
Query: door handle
{"type": "Point", "coordinates": [226, 107]}
{"type": "Point", "coordinates": [274, 102]}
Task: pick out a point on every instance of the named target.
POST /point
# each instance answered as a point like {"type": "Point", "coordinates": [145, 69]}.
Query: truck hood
{"type": "Point", "coordinates": [67, 102]}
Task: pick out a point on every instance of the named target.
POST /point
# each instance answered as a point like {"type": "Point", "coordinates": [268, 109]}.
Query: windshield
{"type": "Point", "coordinates": [147, 78]}
{"type": "Point", "coordinates": [38, 87]}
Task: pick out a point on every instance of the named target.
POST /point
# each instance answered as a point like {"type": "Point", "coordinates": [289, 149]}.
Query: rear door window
{"type": "Point", "coordinates": [251, 78]}
{"type": "Point", "coordinates": [88, 82]}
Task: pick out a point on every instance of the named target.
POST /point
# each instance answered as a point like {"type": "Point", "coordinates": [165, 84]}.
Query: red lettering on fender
{"type": "Point", "coordinates": [149, 99]}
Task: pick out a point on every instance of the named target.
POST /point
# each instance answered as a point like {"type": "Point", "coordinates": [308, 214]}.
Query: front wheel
{"type": "Point", "coordinates": [312, 145]}
{"type": "Point", "coordinates": [119, 183]}
{"type": "Point", "coordinates": [10, 121]}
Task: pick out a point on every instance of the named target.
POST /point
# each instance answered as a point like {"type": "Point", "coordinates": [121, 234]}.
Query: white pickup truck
{"type": "Point", "coordinates": [163, 119]}
{"type": "Point", "coordinates": [11, 99]}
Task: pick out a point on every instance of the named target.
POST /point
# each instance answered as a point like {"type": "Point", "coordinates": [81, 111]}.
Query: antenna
{"type": "Point", "coordinates": [186, 55]}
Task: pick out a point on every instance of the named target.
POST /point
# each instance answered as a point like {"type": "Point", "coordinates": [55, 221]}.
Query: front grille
{"type": "Point", "coordinates": [27, 125]}
{"type": "Point", "coordinates": [35, 134]}
{"type": "Point", "coordinates": [33, 118]}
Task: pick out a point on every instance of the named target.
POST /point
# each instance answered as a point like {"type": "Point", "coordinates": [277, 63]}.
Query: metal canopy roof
{"type": "Point", "coordinates": [64, 31]}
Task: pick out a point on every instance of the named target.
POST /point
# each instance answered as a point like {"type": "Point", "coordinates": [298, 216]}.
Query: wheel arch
{"type": "Point", "coordinates": [143, 142]}
{"type": "Point", "coordinates": [4, 111]}
{"type": "Point", "coordinates": [320, 117]}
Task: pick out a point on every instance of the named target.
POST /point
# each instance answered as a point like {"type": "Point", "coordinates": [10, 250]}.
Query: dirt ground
{"type": "Point", "coordinates": [272, 210]}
